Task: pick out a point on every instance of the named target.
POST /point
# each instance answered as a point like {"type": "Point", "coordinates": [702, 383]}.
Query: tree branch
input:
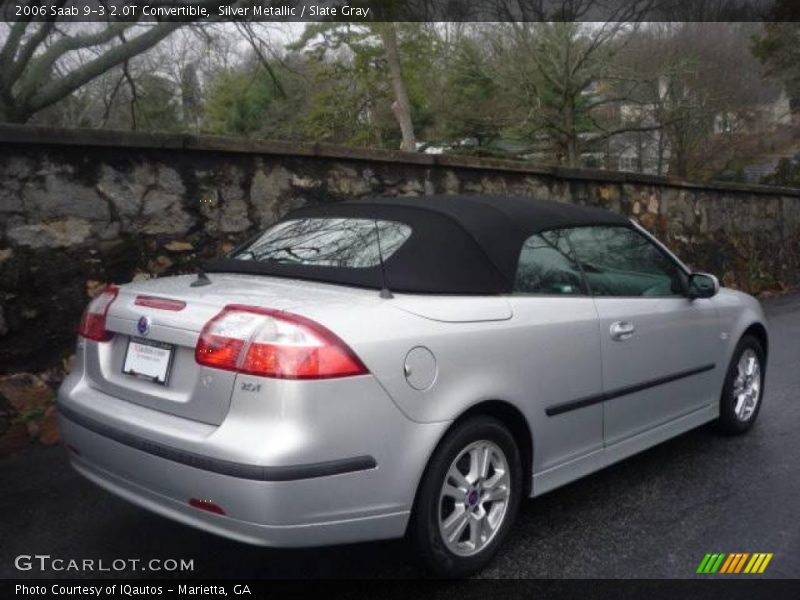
{"type": "Point", "coordinates": [14, 71]}
{"type": "Point", "coordinates": [246, 28]}
{"type": "Point", "coordinates": [56, 90]}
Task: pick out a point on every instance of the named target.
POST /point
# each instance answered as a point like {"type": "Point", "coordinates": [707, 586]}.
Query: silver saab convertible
{"type": "Point", "coordinates": [375, 368]}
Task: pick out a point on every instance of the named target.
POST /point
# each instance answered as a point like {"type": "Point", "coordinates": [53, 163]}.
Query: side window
{"type": "Point", "coordinates": [619, 261]}
{"type": "Point", "coordinates": [546, 266]}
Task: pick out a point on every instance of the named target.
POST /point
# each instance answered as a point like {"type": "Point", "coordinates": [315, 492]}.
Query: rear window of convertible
{"type": "Point", "coordinates": [327, 242]}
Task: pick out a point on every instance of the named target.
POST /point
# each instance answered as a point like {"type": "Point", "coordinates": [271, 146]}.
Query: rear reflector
{"type": "Point", "coordinates": [273, 343]}
{"type": "Point", "coordinates": [93, 321]}
{"type": "Point", "coordinates": [207, 506]}
{"type": "Point", "coordinates": [74, 449]}
{"type": "Point", "coordinates": [160, 303]}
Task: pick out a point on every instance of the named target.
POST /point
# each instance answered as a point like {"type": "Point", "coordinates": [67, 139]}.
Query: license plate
{"type": "Point", "coordinates": [148, 359]}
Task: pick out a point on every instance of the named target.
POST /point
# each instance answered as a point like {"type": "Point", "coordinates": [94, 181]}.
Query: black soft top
{"type": "Point", "coordinates": [458, 244]}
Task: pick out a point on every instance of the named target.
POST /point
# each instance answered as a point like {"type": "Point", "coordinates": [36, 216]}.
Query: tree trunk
{"type": "Point", "coordinates": [573, 156]}
{"type": "Point", "coordinates": [401, 106]}
{"type": "Point", "coordinates": [573, 151]}
{"type": "Point", "coordinates": [639, 152]}
{"type": "Point", "coordinates": [681, 159]}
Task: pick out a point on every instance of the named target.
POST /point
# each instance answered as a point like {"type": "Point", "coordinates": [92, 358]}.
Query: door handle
{"type": "Point", "coordinates": [621, 330]}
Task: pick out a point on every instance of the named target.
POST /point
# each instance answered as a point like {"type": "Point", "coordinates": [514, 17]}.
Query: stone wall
{"type": "Point", "coordinates": [82, 208]}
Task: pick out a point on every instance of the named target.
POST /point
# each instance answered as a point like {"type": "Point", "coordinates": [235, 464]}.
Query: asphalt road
{"type": "Point", "coordinates": [654, 515]}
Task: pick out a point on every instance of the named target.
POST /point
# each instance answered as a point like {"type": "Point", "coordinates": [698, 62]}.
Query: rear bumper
{"type": "Point", "coordinates": [217, 465]}
{"type": "Point", "coordinates": [344, 475]}
{"type": "Point", "coordinates": [142, 479]}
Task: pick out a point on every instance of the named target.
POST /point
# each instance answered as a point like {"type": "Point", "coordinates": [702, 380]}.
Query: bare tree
{"type": "Point", "coordinates": [553, 70]}
{"type": "Point", "coordinates": [44, 62]}
{"type": "Point", "coordinates": [255, 36]}
{"type": "Point", "coordinates": [699, 77]}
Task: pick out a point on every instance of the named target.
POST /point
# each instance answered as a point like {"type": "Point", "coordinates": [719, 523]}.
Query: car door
{"type": "Point", "coordinates": [659, 348]}
{"type": "Point", "coordinates": [557, 336]}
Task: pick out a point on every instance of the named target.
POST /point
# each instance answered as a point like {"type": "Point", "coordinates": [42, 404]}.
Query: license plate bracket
{"type": "Point", "coordinates": [149, 360]}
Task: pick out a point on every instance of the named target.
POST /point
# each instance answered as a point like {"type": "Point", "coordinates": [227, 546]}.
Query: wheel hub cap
{"type": "Point", "coordinates": [474, 498]}
{"type": "Point", "coordinates": [747, 385]}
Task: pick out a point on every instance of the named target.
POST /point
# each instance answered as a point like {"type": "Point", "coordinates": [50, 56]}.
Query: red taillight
{"type": "Point", "coordinates": [160, 303]}
{"type": "Point", "coordinates": [273, 343]}
{"type": "Point", "coordinates": [93, 321]}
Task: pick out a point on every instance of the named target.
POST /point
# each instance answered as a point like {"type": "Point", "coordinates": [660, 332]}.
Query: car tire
{"type": "Point", "coordinates": [743, 392]}
{"type": "Point", "coordinates": [459, 523]}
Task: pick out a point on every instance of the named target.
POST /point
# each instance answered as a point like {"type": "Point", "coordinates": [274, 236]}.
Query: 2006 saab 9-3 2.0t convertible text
{"type": "Point", "coordinates": [367, 369]}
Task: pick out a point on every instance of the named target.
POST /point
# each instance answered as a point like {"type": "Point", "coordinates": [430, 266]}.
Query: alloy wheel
{"type": "Point", "coordinates": [474, 498]}
{"type": "Point", "coordinates": [747, 385]}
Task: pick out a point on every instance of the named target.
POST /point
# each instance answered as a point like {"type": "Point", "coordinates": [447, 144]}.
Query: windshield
{"type": "Point", "coordinates": [327, 242]}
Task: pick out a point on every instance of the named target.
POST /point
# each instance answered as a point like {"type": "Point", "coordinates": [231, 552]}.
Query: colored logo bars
{"type": "Point", "coordinates": [739, 562]}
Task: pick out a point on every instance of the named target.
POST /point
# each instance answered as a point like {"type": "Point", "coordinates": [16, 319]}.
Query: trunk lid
{"type": "Point", "coordinates": [191, 390]}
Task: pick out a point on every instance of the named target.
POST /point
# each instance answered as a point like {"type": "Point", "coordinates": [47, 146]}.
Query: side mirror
{"type": "Point", "coordinates": [702, 285]}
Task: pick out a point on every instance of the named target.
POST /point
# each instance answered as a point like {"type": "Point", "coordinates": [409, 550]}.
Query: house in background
{"type": "Point", "coordinates": [760, 137]}
{"type": "Point", "coordinates": [641, 145]}
{"type": "Point", "coordinates": [639, 151]}
{"type": "Point", "coordinates": [753, 140]}
{"type": "Point", "coordinates": [772, 111]}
